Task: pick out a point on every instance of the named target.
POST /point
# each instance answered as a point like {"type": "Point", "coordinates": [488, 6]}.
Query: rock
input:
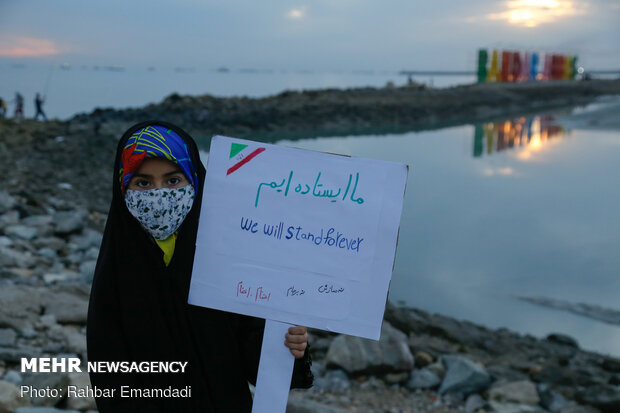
{"type": "Point", "coordinates": [70, 338]}
{"type": "Point", "coordinates": [6, 201]}
{"type": "Point", "coordinates": [67, 222]}
{"type": "Point", "coordinates": [20, 306]}
{"type": "Point", "coordinates": [16, 354]}
{"type": "Point", "coordinates": [37, 220]}
{"type": "Point", "coordinates": [88, 238]}
{"type": "Point", "coordinates": [59, 277]}
{"type": "Point", "coordinates": [514, 408]}
{"type": "Point", "coordinates": [87, 271]}
{"type": "Point", "coordinates": [521, 392]}
{"type": "Point", "coordinates": [606, 398]}
{"type": "Point", "coordinates": [7, 337]}
{"type": "Point", "coordinates": [92, 254]}
{"type": "Point", "coordinates": [611, 365]}
{"type": "Point", "coordinates": [298, 404]}
{"type": "Point", "coordinates": [335, 381]}
{"type": "Point", "coordinates": [10, 398]}
{"type": "Point", "coordinates": [48, 320]}
{"type": "Point", "coordinates": [362, 356]}
{"type": "Point", "coordinates": [21, 231]}
{"type": "Point", "coordinates": [422, 359]}
{"type": "Point", "coordinates": [68, 308]}
{"type": "Point", "coordinates": [55, 381]}
{"type": "Point", "coordinates": [562, 339]}
{"type": "Point", "coordinates": [5, 241]}
{"type": "Point", "coordinates": [463, 376]}
{"type": "Point", "coordinates": [423, 379]}
{"type": "Point", "coordinates": [550, 399]}
{"type": "Point", "coordinates": [13, 376]}
{"type": "Point", "coordinates": [435, 346]}
{"type": "Point", "coordinates": [12, 258]}
{"type": "Point", "coordinates": [474, 403]}
{"type": "Point", "coordinates": [54, 243]}
{"type": "Point", "coordinates": [80, 381]}
{"type": "Point", "coordinates": [395, 378]}
{"type": "Point", "coordinates": [48, 253]}
{"type": "Point", "coordinates": [9, 218]}
{"type": "Point", "coordinates": [438, 368]}
{"type": "Point", "coordinates": [577, 408]}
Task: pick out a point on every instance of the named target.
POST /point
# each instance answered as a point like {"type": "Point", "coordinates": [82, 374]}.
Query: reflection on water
{"type": "Point", "coordinates": [526, 132]}
{"type": "Point", "coordinates": [532, 213]}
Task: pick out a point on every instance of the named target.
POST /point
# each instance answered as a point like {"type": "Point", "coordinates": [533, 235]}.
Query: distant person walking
{"type": "Point", "coordinates": [2, 108]}
{"type": "Point", "coordinates": [19, 105]}
{"type": "Point", "coordinates": [38, 104]}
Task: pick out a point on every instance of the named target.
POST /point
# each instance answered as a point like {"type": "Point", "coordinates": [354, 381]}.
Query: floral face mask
{"type": "Point", "coordinates": [161, 211]}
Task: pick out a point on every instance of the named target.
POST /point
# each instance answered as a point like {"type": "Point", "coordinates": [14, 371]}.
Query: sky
{"type": "Point", "coordinates": [305, 35]}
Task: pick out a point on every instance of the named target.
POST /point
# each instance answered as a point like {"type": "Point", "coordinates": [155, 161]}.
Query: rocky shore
{"type": "Point", "coordinates": [53, 205]}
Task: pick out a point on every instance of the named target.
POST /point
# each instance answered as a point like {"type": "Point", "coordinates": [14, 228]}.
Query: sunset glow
{"type": "Point", "coordinates": [532, 13]}
{"type": "Point", "coordinates": [27, 47]}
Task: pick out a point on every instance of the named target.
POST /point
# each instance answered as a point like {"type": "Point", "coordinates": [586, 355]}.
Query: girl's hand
{"type": "Point", "coordinates": [297, 340]}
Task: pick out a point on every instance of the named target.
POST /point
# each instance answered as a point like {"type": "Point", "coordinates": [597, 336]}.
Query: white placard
{"type": "Point", "coordinates": [297, 236]}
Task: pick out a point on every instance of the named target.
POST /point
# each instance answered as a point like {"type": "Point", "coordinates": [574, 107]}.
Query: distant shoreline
{"type": "Point", "coordinates": [333, 112]}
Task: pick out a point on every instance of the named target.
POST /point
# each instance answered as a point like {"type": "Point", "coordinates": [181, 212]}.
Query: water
{"type": "Point", "coordinates": [84, 88]}
{"type": "Point", "coordinates": [522, 207]}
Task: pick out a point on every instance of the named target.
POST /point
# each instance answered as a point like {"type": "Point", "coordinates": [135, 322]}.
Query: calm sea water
{"type": "Point", "coordinates": [521, 207]}
{"type": "Point", "coordinates": [84, 88]}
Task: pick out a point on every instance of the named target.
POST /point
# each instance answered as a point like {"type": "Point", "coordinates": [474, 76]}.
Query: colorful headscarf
{"type": "Point", "coordinates": [155, 141]}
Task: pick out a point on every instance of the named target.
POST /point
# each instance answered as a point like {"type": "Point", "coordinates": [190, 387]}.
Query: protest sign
{"type": "Point", "coordinates": [297, 236]}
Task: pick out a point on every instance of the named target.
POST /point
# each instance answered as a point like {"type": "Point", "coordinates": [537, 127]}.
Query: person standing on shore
{"type": "Point", "coordinates": [19, 105]}
{"type": "Point", "coordinates": [138, 309]}
{"type": "Point", "coordinates": [2, 108]}
{"type": "Point", "coordinates": [38, 104]}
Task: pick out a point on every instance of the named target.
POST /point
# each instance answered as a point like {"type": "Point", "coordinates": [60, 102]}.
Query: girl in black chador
{"type": "Point", "coordinates": [138, 306]}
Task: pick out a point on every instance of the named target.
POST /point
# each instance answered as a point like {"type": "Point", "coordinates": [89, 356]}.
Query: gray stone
{"type": "Point", "coordinates": [515, 408]}
{"type": "Point", "coordinates": [335, 381]}
{"type": "Point", "coordinates": [463, 376]}
{"type": "Point", "coordinates": [578, 408]}
{"type": "Point", "coordinates": [13, 376]}
{"type": "Point", "coordinates": [28, 332]}
{"type": "Point", "coordinates": [74, 258]}
{"type": "Point", "coordinates": [10, 398]}
{"type": "Point", "coordinates": [521, 392]}
{"type": "Point", "coordinates": [606, 398]}
{"type": "Point", "coordinates": [12, 258]}
{"type": "Point", "coordinates": [297, 404]}
{"type": "Point", "coordinates": [395, 378]}
{"type": "Point", "coordinates": [68, 308]}
{"type": "Point", "coordinates": [422, 379]}
{"type": "Point", "coordinates": [59, 277]}
{"type": "Point", "coordinates": [87, 270]}
{"type": "Point", "coordinates": [422, 359]}
{"type": "Point", "coordinates": [5, 241]}
{"type": "Point", "coordinates": [87, 239]}
{"type": "Point", "coordinates": [56, 381]}
{"type": "Point", "coordinates": [474, 403]}
{"type": "Point", "coordinates": [48, 320]}
{"type": "Point", "coordinates": [37, 220]}
{"type": "Point", "coordinates": [362, 356]}
{"type": "Point", "coordinates": [438, 368]}
{"type": "Point", "coordinates": [48, 253]}
{"type": "Point", "coordinates": [6, 201]}
{"type": "Point", "coordinates": [20, 306]}
{"type": "Point", "coordinates": [9, 218]}
{"type": "Point", "coordinates": [562, 339]}
{"type": "Point", "coordinates": [21, 231]}
{"type": "Point", "coordinates": [43, 410]}
{"type": "Point", "coordinates": [7, 337]}
{"type": "Point", "coordinates": [611, 364]}
{"type": "Point", "coordinates": [93, 253]}
{"type": "Point", "coordinates": [550, 399]}
{"type": "Point", "coordinates": [70, 338]}
{"type": "Point", "coordinates": [54, 243]}
{"type": "Point", "coordinates": [67, 222]}
{"type": "Point", "coordinates": [15, 354]}
{"type": "Point", "coordinates": [80, 381]}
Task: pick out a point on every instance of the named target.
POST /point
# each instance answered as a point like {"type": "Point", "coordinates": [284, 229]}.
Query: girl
{"type": "Point", "coordinates": [138, 306]}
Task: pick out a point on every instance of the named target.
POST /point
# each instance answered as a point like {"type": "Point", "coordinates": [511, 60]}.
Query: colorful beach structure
{"type": "Point", "coordinates": [511, 66]}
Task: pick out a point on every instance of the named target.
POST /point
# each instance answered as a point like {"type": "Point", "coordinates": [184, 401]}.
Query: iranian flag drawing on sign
{"type": "Point", "coordinates": [240, 154]}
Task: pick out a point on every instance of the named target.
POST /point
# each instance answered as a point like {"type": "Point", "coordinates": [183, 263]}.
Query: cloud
{"type": "Point", "coordinates": [533, 13]}
{"type": "Point", "coordinates": [20, 46]}
{"type": "Point", "coordinates": [297, 13]}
